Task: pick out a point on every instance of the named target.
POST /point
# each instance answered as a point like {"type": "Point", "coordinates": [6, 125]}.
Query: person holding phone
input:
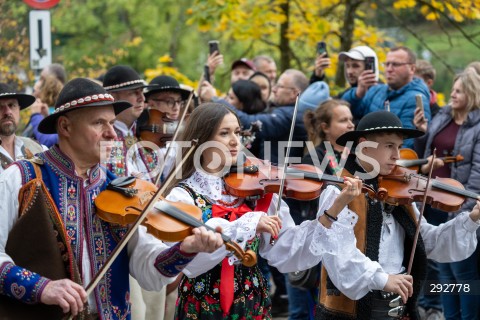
{"type": "Point", "coordinates": [322, 61]}
{"type": "Point", "coordinates": [397, 95]}
{"type": "Point", "coordinates": [455, 130]}
{"type": "Point", "coordinates": [215, 58]}
{"type": "Point", "coordinates": [360, 61]}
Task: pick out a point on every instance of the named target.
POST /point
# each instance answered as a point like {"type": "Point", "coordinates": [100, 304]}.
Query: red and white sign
{"type": "Point", "coordinates": [42, 4]}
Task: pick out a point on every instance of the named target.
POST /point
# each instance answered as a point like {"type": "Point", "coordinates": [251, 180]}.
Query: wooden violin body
{"type": "Point", "coordinates": [159, 129]}
{"type": "Point", "coordinates": [125, 199]}
{"type": "Point", "coordinates": [404, 186]}
{"type": "Point", "coordinates": [303, 181]}
{"type": "Point", "coordinates": [124, 206]}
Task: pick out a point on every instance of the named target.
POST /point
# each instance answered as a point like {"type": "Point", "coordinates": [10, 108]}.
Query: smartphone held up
{"type": "Point", "coordinates": [213, 46]}
{"type": "Point", "coordinates": [370, 64]}
{"type": "Point", "coordinates": [322, 48]}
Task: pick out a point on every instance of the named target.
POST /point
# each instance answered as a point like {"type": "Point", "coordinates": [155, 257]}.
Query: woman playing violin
{"type": "Point", "coordinates": [359, 285]}
{"type": "Point", "coordinates": [213, 288]}
{"type": "Point", "coordinates": [455, 130]}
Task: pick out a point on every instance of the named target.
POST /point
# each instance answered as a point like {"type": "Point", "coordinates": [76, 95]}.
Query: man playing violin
{"type": "Point", "coordinates": [124, 83]}
{"type": "Point", "coordinates": [362, 284]}
{"type": "Point", "coordinates": [83, 118]}
{"type": "Point", "coordinates": [165, 100]}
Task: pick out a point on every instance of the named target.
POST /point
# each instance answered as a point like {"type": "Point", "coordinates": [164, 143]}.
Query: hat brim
{"type": "Point", "coordinates": [129, 87]}
{"type": "Point", "coordinates": [153, 89]}
{"type": "Point", "coordinates": [355, 135]}
{"type": "Point", "coordinates": [48, 124]}
{"type": "Point", "coordinates": [352, 55]}
{"type": "Point", "coordinates": [24, 100]}
{"type": "Point", "coordinates": [243, 63]}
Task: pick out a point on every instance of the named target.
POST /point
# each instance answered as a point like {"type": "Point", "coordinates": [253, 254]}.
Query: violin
{"type": "Point", "coordinates": [409, 159]}
{"type": "Point", "coordinates": [404, 186]}
{"type": "Point", "coordinates": [125, 199]}
{"type": "Point", "coordinates": [257, 177]}
{"type": "Point", "coordinates": [159, 128]}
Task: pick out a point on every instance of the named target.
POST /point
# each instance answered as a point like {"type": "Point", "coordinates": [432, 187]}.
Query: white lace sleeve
{"type": "Point", "coordinates": [340, 237]}
{"type": "Point", "coordinates": [240, 230]}
{"type": "Point", "coordinates": [303, 246]}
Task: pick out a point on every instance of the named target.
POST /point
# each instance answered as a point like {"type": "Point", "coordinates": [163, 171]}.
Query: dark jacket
{"type": "Point", "coordinates": [276, 130]}
{"type": "Point", "coordinates": [467, 144]}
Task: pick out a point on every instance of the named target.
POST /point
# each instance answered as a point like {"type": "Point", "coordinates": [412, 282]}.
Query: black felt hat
{"type": "Point", "coordinates": [165, 83]}
{"type": "Point", "coordinates": [24, 100]}
{"type": "Point", "coordinates": [119, 78]}
{"type": "Point", "coordinates": [80, 93]}
{"type": "Point", "coordinates": [378, 121]}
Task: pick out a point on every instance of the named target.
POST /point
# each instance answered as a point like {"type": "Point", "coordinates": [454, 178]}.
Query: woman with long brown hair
{"type": "Point", "coordinates": [214, 287]}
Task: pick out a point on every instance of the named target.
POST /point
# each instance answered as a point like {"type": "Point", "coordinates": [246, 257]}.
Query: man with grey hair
{"type": "Point", "coordinates": [266, 65]}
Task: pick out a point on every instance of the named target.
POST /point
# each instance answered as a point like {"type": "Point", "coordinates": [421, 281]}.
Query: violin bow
{"type": "Point", "coordinates": [399, 309]}
{"type": "Point", "coordinates": [175, 134]}
{"type": "Point", "coordinates": [285, 163]}
{"type": "Point", "coordinates": [123, 242]}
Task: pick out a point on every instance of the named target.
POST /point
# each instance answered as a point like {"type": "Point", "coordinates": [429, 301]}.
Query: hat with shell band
{"type": "Point", "coordinates": [378, 121]}
{"type": "Point", "coordinates": [77, 94]}
{"type": "Point", "coordinates": [119, 78]}
{"type": "Point", "coordinates": [24, 100]}
{"type": "Point", "coordinates": [165, 83]}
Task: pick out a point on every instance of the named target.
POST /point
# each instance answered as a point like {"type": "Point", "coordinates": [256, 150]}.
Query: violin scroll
{"type": "Point", "coordinates": [248, 257]}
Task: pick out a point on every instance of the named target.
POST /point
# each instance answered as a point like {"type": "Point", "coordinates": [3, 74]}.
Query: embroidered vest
{"type": "Point", "coordinates": [335, 305]}
{"type": "Point", "coordinates": [117, 162]}
{"type": "Point", "coordinates": [206, 287]}
{"type": "Point", "coordinates": [75, 204]}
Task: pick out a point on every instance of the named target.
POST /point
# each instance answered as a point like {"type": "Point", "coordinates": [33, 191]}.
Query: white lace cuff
{"type": "Point", "coordinates": [339, 238]}
{"type": "Point", "coordinates": [240, 230]}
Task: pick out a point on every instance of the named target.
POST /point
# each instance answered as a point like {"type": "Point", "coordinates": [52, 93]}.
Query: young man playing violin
{"type": "Point", "coordinates": [361, 285]}
{"type": "Point", "coordinates": [83, 118]}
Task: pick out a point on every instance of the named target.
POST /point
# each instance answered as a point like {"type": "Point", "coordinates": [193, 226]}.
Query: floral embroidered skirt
{"type": "Point", "coordinates": [199, 298]}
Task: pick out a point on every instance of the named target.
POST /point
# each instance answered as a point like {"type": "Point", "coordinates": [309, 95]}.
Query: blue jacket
{"type": "Point", "coordinates": [467, 143]}
{"type": "Point", "coordinates": [276, 128]}
{"type": "Point", "coordinates": [402, 102]}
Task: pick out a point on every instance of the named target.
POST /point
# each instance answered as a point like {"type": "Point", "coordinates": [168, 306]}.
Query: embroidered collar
{"type": "Point", "coordinates": [123, 130]}
{"type": "Point", "coordinates": [209, 186]}
{"type": "Point", "coordinates": [65, 165]}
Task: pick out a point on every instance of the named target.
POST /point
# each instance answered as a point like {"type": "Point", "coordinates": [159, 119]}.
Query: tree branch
{"type": "Point", "coordinates": [420, 39]}
{"type": "Point", "coordinates": [452, 22]}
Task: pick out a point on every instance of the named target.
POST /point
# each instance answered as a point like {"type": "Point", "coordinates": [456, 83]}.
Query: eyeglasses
{"type": "Point", "coordinates": [395, 64]}
{"type": "Point", "coordinates": [171, 103]}
{"type": "Point", "coordinates": [283, 87]}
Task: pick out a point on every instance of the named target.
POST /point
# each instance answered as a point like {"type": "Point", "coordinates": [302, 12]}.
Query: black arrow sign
{"type": "Point", "coordinates": [41, 51]}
